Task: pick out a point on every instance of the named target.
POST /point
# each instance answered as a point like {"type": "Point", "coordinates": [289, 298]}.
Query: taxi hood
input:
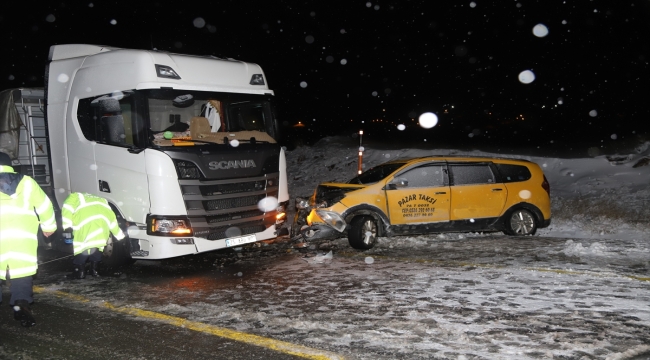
{"type": "Point", "coordinates": [331, 193]}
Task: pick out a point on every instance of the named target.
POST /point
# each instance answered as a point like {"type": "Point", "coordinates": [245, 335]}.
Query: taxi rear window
{"type": "Point", "coordinates": [513, 173]}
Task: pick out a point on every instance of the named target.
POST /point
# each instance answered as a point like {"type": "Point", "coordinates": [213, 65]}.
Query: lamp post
{"type": "Point", "coordinates": [359, 169]}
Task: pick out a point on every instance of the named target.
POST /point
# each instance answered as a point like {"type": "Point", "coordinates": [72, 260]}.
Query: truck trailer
{"type": "Point", "coordinates": [184, 148]}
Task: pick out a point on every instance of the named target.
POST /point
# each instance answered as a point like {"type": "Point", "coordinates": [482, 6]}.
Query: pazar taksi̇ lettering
{"type": "Point", "coordinates": [428, 199]}
{"type": "Point", "coordinates": [412, 197]}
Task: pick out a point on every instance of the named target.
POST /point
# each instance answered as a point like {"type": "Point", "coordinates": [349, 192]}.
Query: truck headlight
{"type": "Point", "coordinates": [168, 226]}
{"type": "Point", "coordinates": [332, 219]}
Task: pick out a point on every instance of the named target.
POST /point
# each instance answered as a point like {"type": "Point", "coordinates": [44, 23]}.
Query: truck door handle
{"type": "Point", "coordinates": [497, 189]}
{"type": "Point", "coordinates": [440, 192]}
{"type": "Point", "coordinates": [103, 186]}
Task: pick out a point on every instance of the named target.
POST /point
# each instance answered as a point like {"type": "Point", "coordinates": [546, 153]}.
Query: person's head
{"type": "Point", "coordinates": [5, 159]}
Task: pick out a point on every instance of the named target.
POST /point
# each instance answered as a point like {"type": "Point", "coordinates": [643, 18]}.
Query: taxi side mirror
{"type": "Point", "coordinates": [398, 183]}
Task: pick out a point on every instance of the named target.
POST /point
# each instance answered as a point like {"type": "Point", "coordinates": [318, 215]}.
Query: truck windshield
{"type": "Point", "coordinates": [207, 117]}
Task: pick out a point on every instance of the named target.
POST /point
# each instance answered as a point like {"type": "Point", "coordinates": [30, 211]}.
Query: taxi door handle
{"type": "Point", "coordinates": [440, 192]}
{"type": "Point", "coordinates": [497, 189]}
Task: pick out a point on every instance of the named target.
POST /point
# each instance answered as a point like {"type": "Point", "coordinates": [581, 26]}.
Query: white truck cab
{"type": "Point", "coordinates": [184, 148]}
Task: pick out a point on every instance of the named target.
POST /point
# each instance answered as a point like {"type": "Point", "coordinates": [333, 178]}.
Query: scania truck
{"type": "Point", "coordinates": [185, 148]}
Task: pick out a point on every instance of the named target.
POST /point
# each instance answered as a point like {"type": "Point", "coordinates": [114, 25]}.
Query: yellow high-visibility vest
{"type": "Point", "coordinates": [21, 212]}
{"type": "Point", "coordinates": [91, 219]}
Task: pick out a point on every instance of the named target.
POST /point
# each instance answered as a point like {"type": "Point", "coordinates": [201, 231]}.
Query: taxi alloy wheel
{"type": "Point", "coordinates": [363, 233]}
{"type": "Point", "coordinates": [521, 222]}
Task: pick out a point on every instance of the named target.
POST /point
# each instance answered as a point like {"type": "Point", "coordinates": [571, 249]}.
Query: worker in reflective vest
{"type": "Point", "coordinates": [23, 207]}
{"type": "Point", "coordinates": [92, 221]}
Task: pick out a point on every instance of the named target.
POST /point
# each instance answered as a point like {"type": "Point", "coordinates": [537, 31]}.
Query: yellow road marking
{"type": "Point", "coordinates": [276, 345]}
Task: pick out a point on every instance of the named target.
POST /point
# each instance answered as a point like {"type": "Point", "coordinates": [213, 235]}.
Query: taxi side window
{"type": "Point", "coordinates": [425, 176]}
{"type": "Point", "coordinates": [513, 173]}
{"type": "Point", "coordinates": [467, 174]}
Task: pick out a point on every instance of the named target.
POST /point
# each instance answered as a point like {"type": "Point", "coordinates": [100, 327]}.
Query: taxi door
{"type": "Point", "coordinates": [475, 194]}
{"type": "Point", "coordinates": [419, 195]}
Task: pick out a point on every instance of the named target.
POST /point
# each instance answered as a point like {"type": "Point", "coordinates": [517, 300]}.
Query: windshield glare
{"type": "Point", "coordinates": [376, 173]}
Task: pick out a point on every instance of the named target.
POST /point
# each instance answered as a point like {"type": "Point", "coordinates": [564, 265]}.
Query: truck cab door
{"type": "Point", "coordinates": [118, 175]}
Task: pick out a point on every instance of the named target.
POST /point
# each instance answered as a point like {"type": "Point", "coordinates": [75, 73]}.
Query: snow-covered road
{"type": "Point", "coordinates": [449, 296]}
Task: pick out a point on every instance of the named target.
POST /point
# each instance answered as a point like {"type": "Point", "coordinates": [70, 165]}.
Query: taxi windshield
{"type": "Point", "coordinates": [376, 173]}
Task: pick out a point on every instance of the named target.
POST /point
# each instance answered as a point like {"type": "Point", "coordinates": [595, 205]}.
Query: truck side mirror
{"type": "Point", "coordinates": [107, 105]}
{"type": "Point", "coordinates": [113, 129]}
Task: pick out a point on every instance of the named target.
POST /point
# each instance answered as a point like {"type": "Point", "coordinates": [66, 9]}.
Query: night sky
{"type": "Point", "coordinates": [339, 66]}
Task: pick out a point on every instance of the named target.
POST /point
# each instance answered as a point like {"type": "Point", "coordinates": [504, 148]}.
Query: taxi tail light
{"type": "Point", "coordinates": [546, 186]}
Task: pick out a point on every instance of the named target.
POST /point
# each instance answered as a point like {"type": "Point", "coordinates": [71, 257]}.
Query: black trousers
{"type": "Point", "coordinates": [92, 255]}
{"type": "Point", "coordinates": [21, 289]}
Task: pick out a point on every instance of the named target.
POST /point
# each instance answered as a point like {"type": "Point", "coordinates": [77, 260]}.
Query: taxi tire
{"type": "Point", "coordinates": [520, 222]}
{"type": "Point", "coordinates": [363, 232]}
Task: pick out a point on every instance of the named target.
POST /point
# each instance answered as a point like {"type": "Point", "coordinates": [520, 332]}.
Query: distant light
{"type": "Point", "coordinates": [526, 77]}
{"type": "Point", "coordinates": [540, 30]}
{"type": "Point", "coordinates": [428, 120]}
{"type": "Point", "coordinates": [360, 132]}
{"type": "Point", "coordinates": [401, 127]}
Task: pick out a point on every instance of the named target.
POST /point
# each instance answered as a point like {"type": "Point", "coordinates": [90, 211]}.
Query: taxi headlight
{"type": "Point", "coordinates": [332, 219]}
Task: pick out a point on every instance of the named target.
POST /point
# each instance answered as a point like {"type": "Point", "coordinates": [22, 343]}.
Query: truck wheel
{"type": "Point", "coordinates": [117, 253]}
{"type": "Point", "coordinates": [520, 222]}
{"type": "Point", "coordinates": [363, 233]}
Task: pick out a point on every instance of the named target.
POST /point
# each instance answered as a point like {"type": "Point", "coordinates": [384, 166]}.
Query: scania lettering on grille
{"type": "Point", "coordinates": [232, 164]}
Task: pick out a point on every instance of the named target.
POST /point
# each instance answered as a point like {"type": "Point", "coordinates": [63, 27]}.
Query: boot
{"type": "Point", "coordinates": [94, 267]}
{"type": "Point", "coordinates": [79, 271]}
{"type": "Point", "coordinates": [23, 313]}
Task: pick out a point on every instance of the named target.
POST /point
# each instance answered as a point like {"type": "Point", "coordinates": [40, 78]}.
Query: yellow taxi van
{"type": "Point", "coordinates": [428, 195]}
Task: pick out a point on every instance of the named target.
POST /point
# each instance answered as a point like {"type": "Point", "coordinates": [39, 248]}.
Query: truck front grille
{"type": "Point", "coordinates": [231, 203]}
{"type": "Point", "coordinates": [215, 206]}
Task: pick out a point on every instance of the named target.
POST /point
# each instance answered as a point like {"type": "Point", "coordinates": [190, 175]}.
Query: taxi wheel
{"type": "Point", "coordinates": [521, 222]}
{"type": "Point", "coordinates": [363, 233]}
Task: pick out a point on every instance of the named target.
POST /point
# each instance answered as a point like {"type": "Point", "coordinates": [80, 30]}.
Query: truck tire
{"type": "Point", "coordinates": [117, 253]}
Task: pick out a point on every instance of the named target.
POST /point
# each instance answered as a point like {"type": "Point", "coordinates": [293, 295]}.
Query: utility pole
{"type": "Point", "coordinates": [360, 168]}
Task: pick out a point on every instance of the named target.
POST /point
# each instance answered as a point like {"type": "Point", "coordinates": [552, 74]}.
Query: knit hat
{"type": "Point", "coordinates": [5, 159]}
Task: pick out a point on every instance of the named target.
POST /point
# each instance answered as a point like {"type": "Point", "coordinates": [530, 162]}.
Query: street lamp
{"type": "Point", "coordinates": [359, 169]}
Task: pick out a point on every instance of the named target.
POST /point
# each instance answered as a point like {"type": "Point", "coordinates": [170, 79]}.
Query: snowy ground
{"type": "Point", "coordinates": [578, 290]}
